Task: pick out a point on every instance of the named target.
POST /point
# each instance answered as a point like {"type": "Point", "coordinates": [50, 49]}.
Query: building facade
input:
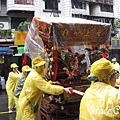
{"type": "Point", "coordinates": [98, 10]}
{"type": "Point", "coordinates": [116, 8]}
{"type": "Point", "coordinates": [5, 51]}
{"type": "Point", "coordinates": [13, 12]}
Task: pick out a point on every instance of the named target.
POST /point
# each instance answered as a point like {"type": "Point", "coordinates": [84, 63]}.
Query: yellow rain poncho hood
{"type": "Point", "coordinates": [38, 61]}
{"type": "Point", "coordinates": [101, 101]}
{"type": "Point", "coordinates": [14, 65]}
{"type": "Point", "coordinates": [26, 68]}
{"type": "Point", "coordinates": [100, 69]}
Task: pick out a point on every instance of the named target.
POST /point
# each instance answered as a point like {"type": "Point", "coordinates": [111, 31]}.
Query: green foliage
{"type": "Point", "coordinates": [66, 58]}
{"type": "Point", "coordinates": [9, 32]}
{"type": "Point", "coordinates": [23, 26]}
{"type": "Point", "coordinates": [5, 33]}
{"type": "Point", "coordinates": [117, 23]}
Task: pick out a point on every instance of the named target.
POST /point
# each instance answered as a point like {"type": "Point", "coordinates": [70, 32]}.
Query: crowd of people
{"type": "Point", "coordinates": [25, 90]}
{"type": "Point", "coordinates": [100, 102]}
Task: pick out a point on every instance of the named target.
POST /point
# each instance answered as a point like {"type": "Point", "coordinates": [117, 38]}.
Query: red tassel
{"type": "Point", "coordinates": [55, 54]}
{"type": "Point", "coordinates": [24, 60]}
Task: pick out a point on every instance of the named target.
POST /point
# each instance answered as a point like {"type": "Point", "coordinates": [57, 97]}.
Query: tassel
{"type": "Point", "coordinates": [55, 54]}
{"type": "Point", "coordinates": [24, 60]}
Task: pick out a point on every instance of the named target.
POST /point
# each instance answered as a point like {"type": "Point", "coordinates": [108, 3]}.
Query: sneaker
{"type": "Point", "coordinates": [10, 111]}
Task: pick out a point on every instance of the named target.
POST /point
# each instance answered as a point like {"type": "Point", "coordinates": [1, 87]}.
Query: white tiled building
{"type": "Point", "coordinates": [99, 10]}
{"type": "Point", "coordinates": [18, 11]}
{"type": "Point", "coordinates": [117, 8]}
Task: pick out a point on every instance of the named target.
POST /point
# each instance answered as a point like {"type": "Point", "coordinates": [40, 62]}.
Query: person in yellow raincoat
{"type": "Point", "coordinates": [10, 85]}
{"type": "Point", "coordinates": [34, 88]}
{"type": "Point", "coordinates": [101, 100]}
{"type": "Point", "coordinates": [116, 64]}
{"type": "Point", "coordinates": [22, 77]}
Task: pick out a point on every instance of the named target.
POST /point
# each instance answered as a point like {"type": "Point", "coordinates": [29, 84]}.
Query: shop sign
{"type": "Point", "coordinates": [115, 42]}
{"type": "Point", "coordinates": [20, 37]}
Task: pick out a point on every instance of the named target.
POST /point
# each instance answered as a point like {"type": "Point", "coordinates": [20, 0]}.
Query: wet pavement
{"type": "Point", "coordinates": [4, 115]}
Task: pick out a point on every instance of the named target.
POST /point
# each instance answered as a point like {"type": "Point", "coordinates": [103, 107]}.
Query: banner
{"type": "Point", "coordinates": [20, 37]}
{"type": "Point", "coordinates": [76, 34]}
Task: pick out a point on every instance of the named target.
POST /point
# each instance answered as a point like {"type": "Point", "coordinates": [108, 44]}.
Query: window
{"type": "Point", "coordinates": [106, 8]}
{"type": "Point", "coordinates": [77, 15]}
{"type": "Point", "coordinates": [108, 1]}
{"type": "Point", "coordinates": [51, 4]}
{"type": "Point", "coordinates": [15, 21]}
{"type": "Point", "coordinates": [78, 4]}
{"type": "Point", "coordinates": [29, 2]}
{"type": "Point", "coordinates": [101, 1]}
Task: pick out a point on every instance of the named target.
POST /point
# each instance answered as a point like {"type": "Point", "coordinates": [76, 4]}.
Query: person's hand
{"type": "Point", "coordinates": [67, 90]}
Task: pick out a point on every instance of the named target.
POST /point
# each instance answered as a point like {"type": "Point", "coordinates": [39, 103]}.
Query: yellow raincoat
{"type": "Point", "coordinates": [19, 85]}
{"type": "Point", "coordinates": [10, 86]}
{"type": "Point", "coordinates": [17, 91]}
{"type": "Point", "coordinates": [31, 95]}
{"type": "Point", "coordinates": [118, 81]}
{"type": "Point", "coordinates": [116, 64]}
{"type": "Point", "coordinates": [100, 102]}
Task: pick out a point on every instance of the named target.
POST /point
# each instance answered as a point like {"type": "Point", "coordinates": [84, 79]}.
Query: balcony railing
{"type": "Point", "coordinates": [101, 1]}
{"type": "Point", "coordinates": [26, 2]}
{"type": "Point", "coordinates": [105, 1]}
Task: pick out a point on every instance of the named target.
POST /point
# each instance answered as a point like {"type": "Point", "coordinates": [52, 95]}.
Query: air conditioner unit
{"type": "Point", "coordinates": [4, 25]}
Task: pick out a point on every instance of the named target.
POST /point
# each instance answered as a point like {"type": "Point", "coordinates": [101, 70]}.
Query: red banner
{"type": "Point", "coordinates": [76, 34]}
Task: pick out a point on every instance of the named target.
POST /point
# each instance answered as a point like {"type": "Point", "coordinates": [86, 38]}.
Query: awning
{"type": "Point", "coordinates": [5, 50]}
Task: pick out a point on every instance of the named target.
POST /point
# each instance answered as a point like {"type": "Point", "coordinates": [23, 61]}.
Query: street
{"type": "Point", "coordinates": [4, 115]}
